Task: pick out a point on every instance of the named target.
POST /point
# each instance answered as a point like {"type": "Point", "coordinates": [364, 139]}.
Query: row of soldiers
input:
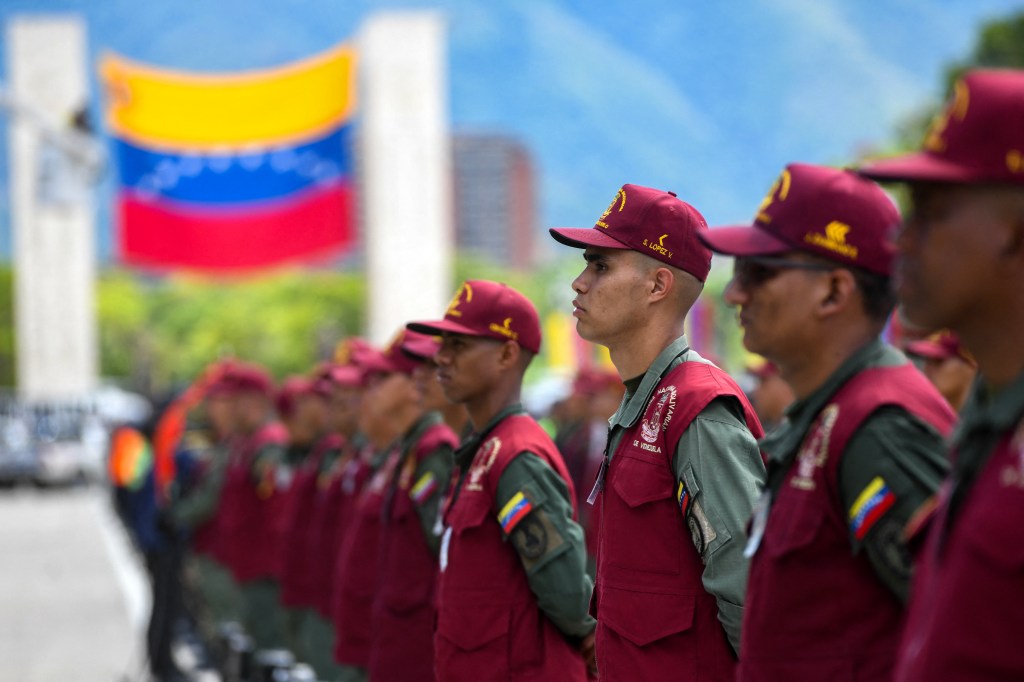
{"type": "Point", "coordinates": [845, 544]}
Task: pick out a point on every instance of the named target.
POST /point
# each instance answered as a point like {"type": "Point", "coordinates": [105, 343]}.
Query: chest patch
{"type": "Point", "coordinates": [658, 414]}
{"type": "Point", "coordinates": [814, 450]}
{"type": "Point", "coordinates": [482, 462]}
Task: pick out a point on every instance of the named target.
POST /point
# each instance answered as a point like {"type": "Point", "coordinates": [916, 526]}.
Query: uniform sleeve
{"type": "Point", "coordinates": [430, 480]}
{"type": "Point", "coordinates": [201, 502]}
{"type": "Point", "coordinates": [535, 512]}
{"type": "Point", "coordinates": [890, 468]}
{"type": "Point", "coordinates": [721, 473]}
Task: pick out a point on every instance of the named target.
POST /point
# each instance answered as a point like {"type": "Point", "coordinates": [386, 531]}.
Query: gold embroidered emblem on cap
{"type": "Point", "coordinates": [453, 307]}
{"type": "Point", "coordinates": [778, 192]}
{"type": "Point", "coordinates": [834, 239]}
{"type": "Point", "coordinates": [1015, 161]}
{"type": "Point", "coordinates": [957, 109]}
{"type": "Point", "coordinates": [505, 329]}
{"type": "Point", "coordinates": [620, 198]}
{"type": "Point", "coordinates": [659, 247]}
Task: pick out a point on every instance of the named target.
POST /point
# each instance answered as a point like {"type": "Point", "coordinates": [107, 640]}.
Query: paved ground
{"type": "Point", "coordinates": [73, 598]}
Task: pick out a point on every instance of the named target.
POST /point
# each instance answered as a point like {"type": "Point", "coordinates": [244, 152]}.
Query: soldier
{"type": "Point", "coordinates": [402, 625]}
{"type": "Point", "coordinates": [250, 500]}
{"type": "Point", "coordinates": [513, 589]}
{"type": "Point", "coordinates": [681, 468]}
{"type": "Point", "coordinates": [770, 396]}
{"type": "Point", "coordinates": [197, 510]}
{"type": "Point", "coordinates": [947, 364]}
{"type": "Point", "coordinates": [302, 406]}
{"type": "Point", "coordinates": [861, 447]}
{"type": "Point", "coordinates": [962, 265]}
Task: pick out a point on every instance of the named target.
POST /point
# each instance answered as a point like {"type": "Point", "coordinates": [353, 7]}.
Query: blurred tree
{"type": "Point", "coordinates": [156, 333]}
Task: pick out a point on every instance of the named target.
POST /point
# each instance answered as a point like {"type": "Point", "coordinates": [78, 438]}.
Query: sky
{"type": "Point", "coordinates": [706, 99]}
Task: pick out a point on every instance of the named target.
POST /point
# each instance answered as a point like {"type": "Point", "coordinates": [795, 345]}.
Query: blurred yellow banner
{"type": "Point", "coordinates": [163, 108]}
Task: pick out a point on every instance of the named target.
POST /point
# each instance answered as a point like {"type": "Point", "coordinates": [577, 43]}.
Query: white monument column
{"type": "Point", "coordinates": [52, 208]}
{"type": "Point", "coordinates": [405, 170]}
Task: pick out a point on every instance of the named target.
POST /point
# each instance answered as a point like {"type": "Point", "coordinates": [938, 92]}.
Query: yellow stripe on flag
{"type": "Point", "coordinates": [877, 483]}
{"type": "Point", "coordinates": [164, 108]}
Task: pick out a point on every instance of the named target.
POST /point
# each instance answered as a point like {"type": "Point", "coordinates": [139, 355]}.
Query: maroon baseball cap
{"type": "Point", "coordinates": [828, 212]}
{"type": "Point", "coordinates": [292, 388]}
{"type": "Point", "coordinates": [650, 221]}
{"type": "Point", "coordinates": [941, 345]}
{"type": "Point", "coordinates": [978, 138]}
{"type": "Point", "coordinates": [488, 309]}
{"type": "Point", "coordinates": [249, 378]}
{"type": "Point", "coordinates": [422, 347]}
{"type": "Point", "coordinates": [392, 360]}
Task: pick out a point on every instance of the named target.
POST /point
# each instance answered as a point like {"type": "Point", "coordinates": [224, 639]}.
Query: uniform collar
{"type": "Point", "coordinates": [416, 431]}
{"type": "Point", "coordinates": [786, 438]}
{"type": "Point", "coordinates": [633, 405]}
{"type": "Point", "coordinates": [464, 455]}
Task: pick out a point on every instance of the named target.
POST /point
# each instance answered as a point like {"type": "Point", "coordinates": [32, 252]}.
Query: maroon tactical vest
{"type": "Point", "coordinates": [654, 618]}
{"type": "Point", "coordinates": [298, 528]}
{"type": "Point", "coordinates": [813, 610]}
{"type": "Point", "coordinates": [248, 508]}
{"type": "Point", "coordinates": [403, 608]}
{"type": "Point", "coordinates": [489, 627]}
{"type": "Point", "coordinates": [357, 569]}
{"type": "Point", "coordinates": [966, 615]}
{"type": "Point", "coordinates": [349, 477]}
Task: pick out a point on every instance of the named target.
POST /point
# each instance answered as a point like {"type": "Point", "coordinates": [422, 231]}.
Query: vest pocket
{"type": "Point", "coordinates": [473, 642]}
{"type": "Point", "coordinates": [645, 617]}
{"type": "Point", "coordinates": [641, 525]}
{"type": "Point", "coordinates": [794, 527]}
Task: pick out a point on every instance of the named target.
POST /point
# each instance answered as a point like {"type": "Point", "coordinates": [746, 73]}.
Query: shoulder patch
{"type": "Point", "coordinates": [701, 531]}
{"type": "Point", "coordinates": [683, 497]}
{"type": "Point", "coordinates": [536, 538]}
{"type": "Point", "coordinates": [514, 511]}
{"type": "Point", "coordinates": [870, 505]}
{"type": "Point", "coordinates": [423, 488]}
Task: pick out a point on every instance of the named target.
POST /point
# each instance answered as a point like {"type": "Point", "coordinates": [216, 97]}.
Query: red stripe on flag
{"type": "Point", "coordinates": [158, 235]}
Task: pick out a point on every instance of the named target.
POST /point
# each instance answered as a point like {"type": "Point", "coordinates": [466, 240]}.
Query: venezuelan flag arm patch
{"type": "Point", "coordinates": [514, 511]}
{"type": "Point", "coordinates": [870, 505]}
{"type": "Point", "coordinates": [683, 497]}
{"type": "Point", "coordinates": [423, 488]}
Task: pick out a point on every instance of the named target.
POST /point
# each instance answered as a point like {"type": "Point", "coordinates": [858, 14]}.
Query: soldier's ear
{"type": "Point", "coordinates": [661, 283]}
{"type": "Point", "coordinates": [508, 356]}
{"type": "Point", "coordinates": [839, 294]}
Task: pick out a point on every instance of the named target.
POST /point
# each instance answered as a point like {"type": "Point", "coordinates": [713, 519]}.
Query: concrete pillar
{"type": "Point", "coordinates": [406, 169]}
{"type": "Point", "coordinates": [52, 208]}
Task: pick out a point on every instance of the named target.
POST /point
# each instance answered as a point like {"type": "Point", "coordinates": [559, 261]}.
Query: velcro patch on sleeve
{"type": "Point", "coordinates": [870, 506]}
{"type": "Point", "coordinates": [514, 511]}
{"type": "Point", "coordinates": [423, 488]}
{"type": "Point", "coordinates": [683, 497]}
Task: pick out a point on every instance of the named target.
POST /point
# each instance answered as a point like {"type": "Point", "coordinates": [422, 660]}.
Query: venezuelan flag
{"type": "Point", "coordinates": [232, 172]}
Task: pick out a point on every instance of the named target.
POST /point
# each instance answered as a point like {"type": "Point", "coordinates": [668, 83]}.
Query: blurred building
{"type": "Point", "coordinates": [495, 201]}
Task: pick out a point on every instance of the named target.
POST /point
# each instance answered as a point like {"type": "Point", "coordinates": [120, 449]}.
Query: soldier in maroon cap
{"type": "Point", "coordinates": [947, 364]}
{"type": "Point", "coordinates": [405, 514]}
{"type": "Point", "coordinates": [513, 588]}
{"type": "Point", "coordinates": [250, 501]}
{"type": "Point", "coordinates": [861, 448]}
{"type": "Point", "coordinates": [962, 268]}
{"type": "Point", "coordinates": [681, 468]}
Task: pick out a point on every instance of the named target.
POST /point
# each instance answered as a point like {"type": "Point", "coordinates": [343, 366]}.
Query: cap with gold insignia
{"type": "Point", "coordinates": [977, 138]}
{"type": "Point", "coordinates": [829, 212]}
{"type": "Point", "coordinates": [393, 359]}
{"type": "Point", "coordinates": [488, 309]}
{"type": "Point", "coordinates": [653, 222]}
